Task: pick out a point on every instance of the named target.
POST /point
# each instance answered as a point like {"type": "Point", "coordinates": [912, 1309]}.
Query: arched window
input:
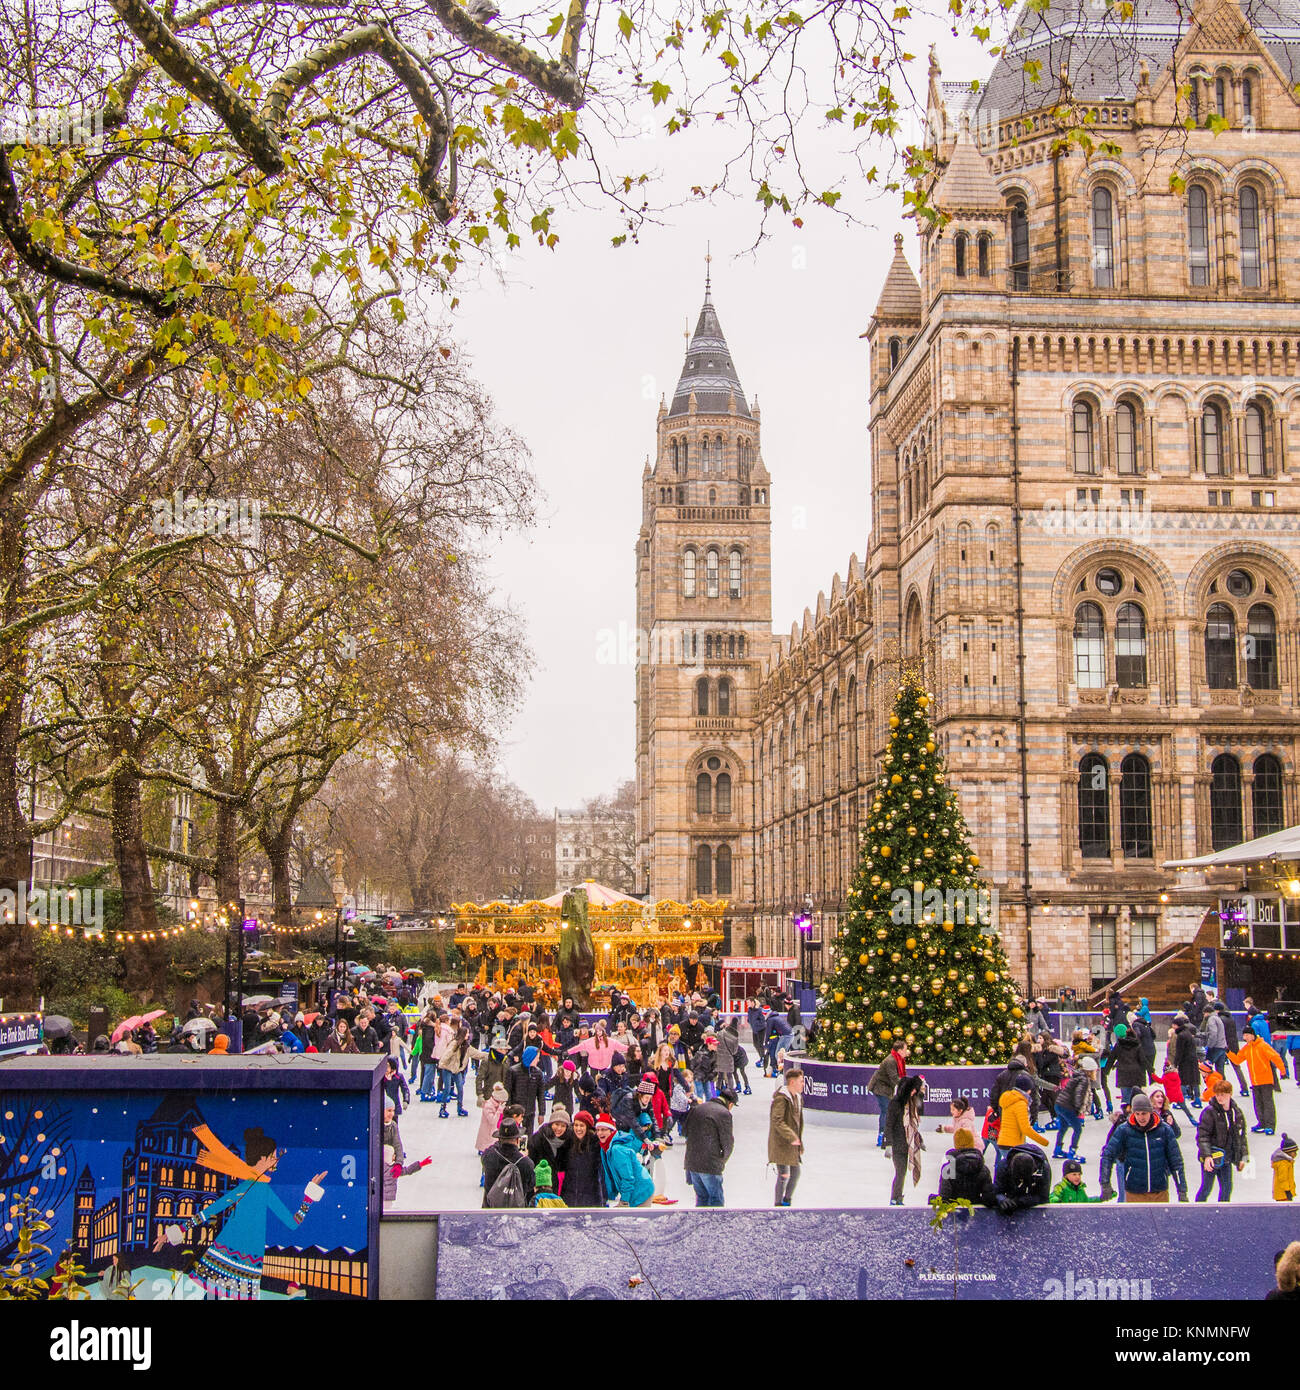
{"type": "Point", "coordinates": [960, 245]}
{"type": "Point", "coordinates": [1221, 648]}
{"type": "Point", "coordinates": [1019, 245]}
{"type": "Point", "coordinates": [703, 870]}
{"type": "Point", "coordinates": [1083, 438]}
{"type": "Point", "coordinates": [1094, 807]}
{"type": "Point", "coordinates": [1103, 238]}
{"type": "Point", "coordinates": [1089, 647]}
{"type": "Point", "coordinates": [704, 457]}
{"type": "Point", "coordinates": [1256, 436]}
{"type": "Point", "coordinates": [688, 575]}
{"type": "Point", "coordinates": [722, 794]}
{"type": "Point", "coordinates": [1135, 807]}
{"type": "Point", "coordinates": [733, 573]}
{"type": "Point", "coordinates": [1221, 96]}
{"type": "Point", "coordinates": [1252, 263]}
{"type": "Point", "coordinates": [675, 456]}
{"type": "Point", "coordinates": [1126, 439]}
{"type": "Point", "coordinates": [1130, 647]}
{"type": "Point", "coordinates": [740, 645]}
{"type": "Point", "coordinates": [1225, 802]}
{"type": "Point", "coordinates": [711, 574]}
{"type": "Point", "coordinates": [1261, 648]}
{"type": "Point", "coordinates": [985, 255]}
{"type": "Point", "coordinates": [1194, 97]}
{"type": "Point", "coordinates": [702, 695]}
{"type": "Point", "coordinates": [713, 495]}
{"type": "Point", "coordinates": [852, 707]}
{"type": "Point", "coordinates": [724, 698]}
{"type": "Point", "coordinates": [724, 869]}
{"type": "Point", "coordinates": [1247, 102]}
{"type": "Point", "coordinates": [1212, 441]}
{"type": "Point", "coordinates": [1266, 796]}
{"type": "Point", "coordinates": [1198, 233]}
{"type": "Point", "coordinates": [703, 794]}
{"type": "Point", "coordinates": [895, 352]}
{"type": "Point", "coordinates": [719, 455]}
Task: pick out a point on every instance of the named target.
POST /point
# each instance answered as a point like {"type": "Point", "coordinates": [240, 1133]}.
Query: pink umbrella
{"type": "Point", "coordinates": [152, 1014]}
{"type": "Point", "coordinates": [127, 1025]}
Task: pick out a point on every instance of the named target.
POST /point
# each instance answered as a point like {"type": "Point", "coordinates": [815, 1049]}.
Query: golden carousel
{"type": "Point", "coordinates": [641, 948]}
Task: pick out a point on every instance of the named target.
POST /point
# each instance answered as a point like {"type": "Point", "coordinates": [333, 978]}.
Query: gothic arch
{"type": "Point", "coordinates": [1284, 575]}
{"type": "Point", "coordinates": [1259, 169]}
{"type": "Point", "coordinates": [1108, 171]}
{"type": "Point", "coordinates": [1161, 596]}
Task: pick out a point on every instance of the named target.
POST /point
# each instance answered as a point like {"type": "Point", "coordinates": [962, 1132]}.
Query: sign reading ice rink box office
{"type": "Point", "coordinates": [843, 1086]}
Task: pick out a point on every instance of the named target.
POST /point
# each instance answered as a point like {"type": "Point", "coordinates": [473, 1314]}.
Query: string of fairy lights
{"type": "Point", "coordinates": [196, 921]}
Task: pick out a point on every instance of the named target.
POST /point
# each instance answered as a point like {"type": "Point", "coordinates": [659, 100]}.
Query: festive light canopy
{"type": "Point", "coordinates": [615, 918]}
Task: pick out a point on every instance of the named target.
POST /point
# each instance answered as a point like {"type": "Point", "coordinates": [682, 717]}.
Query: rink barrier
{"type": "Point", "coordinates": [841, 1087]}
{"type": "Point", "coordinates": [1072, 1254]}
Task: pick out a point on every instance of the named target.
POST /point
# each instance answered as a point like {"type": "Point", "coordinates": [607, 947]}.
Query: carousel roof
{"type": "Point", "coordinates": [598, 895]}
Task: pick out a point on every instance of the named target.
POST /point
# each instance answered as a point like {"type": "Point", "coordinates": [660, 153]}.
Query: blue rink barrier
{"type": "Point", "coordinates": [1071, 1254]}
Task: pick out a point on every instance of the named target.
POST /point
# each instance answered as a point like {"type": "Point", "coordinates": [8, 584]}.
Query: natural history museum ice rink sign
{"type": "Point", "coordinates": [842, 1087]}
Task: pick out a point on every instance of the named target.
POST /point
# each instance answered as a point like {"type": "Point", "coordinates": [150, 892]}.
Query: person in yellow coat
{"type": "Point", "coordinates": [1016, 1127]}
{"type": "Point", "coordinates": [1284, 1170]}
{"type": "Point", "coordinates": [1260, 1059]}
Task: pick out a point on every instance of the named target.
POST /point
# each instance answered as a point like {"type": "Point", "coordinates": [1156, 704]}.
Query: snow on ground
{"type": "Point", "coordinates": [843, 1167]}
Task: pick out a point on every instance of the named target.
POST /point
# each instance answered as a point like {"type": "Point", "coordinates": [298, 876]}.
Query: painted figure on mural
{"type": "Point", "coordinates": [231, 1267]}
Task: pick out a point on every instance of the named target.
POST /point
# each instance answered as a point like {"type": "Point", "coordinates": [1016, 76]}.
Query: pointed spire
{"type": "Point", "coordinates": [900, 297]}
{"type": "Point", "coordinates": [966, 184]}
{"type": "Point", "coordinates": [708, 373]}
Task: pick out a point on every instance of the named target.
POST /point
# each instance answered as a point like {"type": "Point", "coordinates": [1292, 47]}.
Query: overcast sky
{"type": "Point", "coordinates": [577, 349]}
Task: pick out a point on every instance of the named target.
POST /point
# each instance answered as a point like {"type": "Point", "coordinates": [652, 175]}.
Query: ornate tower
{"type": "Point", "coordinates": [704, 620]}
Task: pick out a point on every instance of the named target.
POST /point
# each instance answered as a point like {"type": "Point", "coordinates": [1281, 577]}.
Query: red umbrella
{"type": "Point", "coordinates": [311, 1018]}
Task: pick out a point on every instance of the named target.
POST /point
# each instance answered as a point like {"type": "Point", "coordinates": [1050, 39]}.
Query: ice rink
{"type": "Point", "coordinates": [843, 1167]}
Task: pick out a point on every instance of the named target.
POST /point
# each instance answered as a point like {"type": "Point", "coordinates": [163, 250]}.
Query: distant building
{"type": "Point", "coordinates": [599, 844]}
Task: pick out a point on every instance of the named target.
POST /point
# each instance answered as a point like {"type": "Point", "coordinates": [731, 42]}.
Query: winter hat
{"type": "Point", "coordinates": [498, 1046]}
{"type": "Point", "coordinates": [530, 1056]}
{"type": "Point", "coordinates": [1022, 1083]}
{"type": "Point", "coordinates": [1141, 1103]}
{"type": "Point", "coordinates": [567, 1066]}
{"type": "Point", "coordinates": [542, 1175]}
{"type": "Point", "coordinates": [500, 1093]}
{"type": "Point", "coordinates": [963, 1139]}
{"type": "Point", "coordinates": [586, 1117]}
{"type": "Point", "coordinates": [1071, 1165]}
{"type": "Point", "coordinates": [1088, 1063]}
{"type": "Point", "coordinates": [558, 1112]}
{"type": "Point", "coordinates": [605, 1122]}
{"type": "Point", "coordinates": [1288, 1145]}
{"type": "Point", "coordinates": [1022, 1167]}
{"type": "Point", "coordinates": [1121, 1030]}
{"type": "Point", "coordinates": [508, 1130]}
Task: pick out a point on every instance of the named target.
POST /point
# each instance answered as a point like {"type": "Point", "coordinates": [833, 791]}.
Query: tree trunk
{"type": "Point", "coordinates": [277, 847]}
{"type": "Point", "coordinates": [144, 959]}
{"type": "Point", "coordinates": [227, 856]}
{"type": "Point", "coordinates": [17, 945]}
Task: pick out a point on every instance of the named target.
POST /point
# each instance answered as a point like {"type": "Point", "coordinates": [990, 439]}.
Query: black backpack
{"type": "Point", "coordinates": [508, 1189]}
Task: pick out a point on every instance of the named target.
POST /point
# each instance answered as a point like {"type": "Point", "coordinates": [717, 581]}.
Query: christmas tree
{"type": "Point", "coordinates": [917, 955]}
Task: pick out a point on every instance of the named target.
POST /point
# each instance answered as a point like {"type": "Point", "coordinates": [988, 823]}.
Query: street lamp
{"type": "Point", "coordinates": [339, 887]}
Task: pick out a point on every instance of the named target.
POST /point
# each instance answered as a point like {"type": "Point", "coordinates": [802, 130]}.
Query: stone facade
{"type": "Point", "coordinates": [1085, 440]}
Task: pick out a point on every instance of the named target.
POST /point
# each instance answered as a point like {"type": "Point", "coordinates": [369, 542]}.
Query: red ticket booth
{"type": "Point", "coordinates": [744, 976]}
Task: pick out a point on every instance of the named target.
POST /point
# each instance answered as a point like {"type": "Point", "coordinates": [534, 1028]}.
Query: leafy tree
{"type": "Point", "coordinates": [917, 955]}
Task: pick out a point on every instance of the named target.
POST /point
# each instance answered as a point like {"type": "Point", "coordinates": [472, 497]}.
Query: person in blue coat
{"type": "Point", "coordinates": [625, 1175]}
{"type": "Point", "coordinates": [1149, 1154]}
{"type": "Point", "coordinates": [231, 1267]}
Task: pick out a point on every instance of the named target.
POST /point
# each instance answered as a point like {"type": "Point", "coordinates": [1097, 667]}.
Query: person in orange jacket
{"type": "Point", "coordinates": [1260, 1059]}
{"type": "Point", "coordinates": [1015, 1127]}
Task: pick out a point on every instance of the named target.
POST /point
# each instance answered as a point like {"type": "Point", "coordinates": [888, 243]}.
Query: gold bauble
{"type": "Point", "coordinates": [839, 996]}
{"type": "Point", "coordinates": [895, 956]}
{"type": "Point", "coordinates": [936, 986]}
{"type": "Point", "coordinates": [948, 926]}
{"type": "Point", "coordinates": [929, 747]}
{"type": "Point", "coordinates": [896, 780]}
{"type": "Point", "coordinates": [877, 1018]}
{"type": "Point", "coordinates": [990, 975]}
{"type": "Point", "coordinates": [901, 1001]}
{"type": "Point", "coordinates": [911, 943]}
{"type": "Point", "coordinates": [893, 721]}
{"type": "Point", "coordinates": [885, 851]}
{"type": "Point", "coordinates": [974, 861]}
{"type": "Point", "coordinates": [923, 701]}
{"type": "Point", "coordinates": [967, 1030]}
{"type": "Point", "coordinates": [881, 933]}
{"type": "Point", "coordinates": [981, 1002]}
{"type": "Point", "coordinates": [863, 959]}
